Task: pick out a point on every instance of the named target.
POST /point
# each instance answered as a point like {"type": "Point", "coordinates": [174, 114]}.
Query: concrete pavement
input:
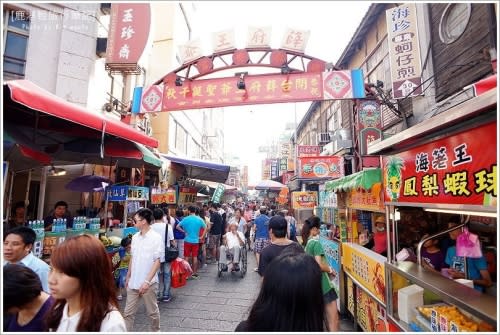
{"type": "Point", "coordinates": [208, 304]}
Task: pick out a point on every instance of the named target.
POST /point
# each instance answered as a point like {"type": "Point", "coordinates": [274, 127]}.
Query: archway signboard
{"type": "Point", "coordinates": [263, 89]}
{"type": "Point", "coordinates": [301, 78]}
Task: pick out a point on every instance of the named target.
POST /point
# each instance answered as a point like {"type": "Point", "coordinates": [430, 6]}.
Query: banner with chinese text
{"type": "Point", "coordinates": [123, 193]}
{"type": "Point", "coordinates": [459, 169]}
{"type": "Point", "coordinates": [128, 34]}
{"type": "Point", "coordinates": [260, 89]}
{"type": "Point", "coordinates": [332, 255]}
{"type": "Point", "coordinates": [404, 51]}
{"type": "Point", "coordinates": [168, 196]}
{"type": "Point", "coordinates": [218, 193]}
{"type": "Point", "coordinates": [187, 195]}
{"type": "Point", "coordinates": [308, 150]}
{"type": "Point", "coordinates": [366, 267]}
{"type": "Point", "coordinates": [365, 200]}
{"type": "Point", "coordinates": [321, 167]}
{"type": "Point", "coordinates": [307, 199]}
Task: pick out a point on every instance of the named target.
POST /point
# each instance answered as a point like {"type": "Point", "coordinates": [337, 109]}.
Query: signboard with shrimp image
{"type": "Point", "coordinates": [367, 267]}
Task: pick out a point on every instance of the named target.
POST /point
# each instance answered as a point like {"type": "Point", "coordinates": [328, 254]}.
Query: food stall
{"type": "Point", "coordinates": [452, 173]}
{"type": "Point", "coordinates": [359, 200]}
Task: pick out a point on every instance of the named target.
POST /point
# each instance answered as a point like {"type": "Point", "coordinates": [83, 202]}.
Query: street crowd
{"type": "Point", "coordinates": [80, 289]}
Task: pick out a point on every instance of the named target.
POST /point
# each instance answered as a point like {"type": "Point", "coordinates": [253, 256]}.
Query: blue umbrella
{"type": "Point", "coordinates": [88, 183]}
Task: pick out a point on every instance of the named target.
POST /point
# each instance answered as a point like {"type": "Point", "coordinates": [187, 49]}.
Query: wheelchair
{"type": "Point", "coordinates": [229, 258]}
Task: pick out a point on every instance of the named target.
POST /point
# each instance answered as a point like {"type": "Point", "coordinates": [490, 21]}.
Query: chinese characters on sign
{"type": "Point", "coordinates": [223, 40]}
{"type": "Point", "coordinates": [364, 200]}
{"type": "Point", "coordinates": [259, 37]}
{"type": "Point", "coordinates": [321, 167]}
{"type": "Point", "coordinates": [160, 196]}
{"type": "Point", "coordinates": [218, 193]}
{"type": "Point", "coordinates": [369, 123]}
{"type": "Point", "coordinates": [128, 34]}
{"type": "Point", "coordinates": [295, 40]}
{"type": "Point", "coordinates": [460, 169]}
{"type": "Point", "coordinates": [307, 199]}
{"type": "Point", "coordinates": [404, 51]}
{"type": "Point", "coordinates": [190, 51]}
{"type": "Point", "coordinates": [308, 150]}
{"type": "Point", "coordinates": [187, 195]}
{"type": "Point", "coordinates": [274, 168]}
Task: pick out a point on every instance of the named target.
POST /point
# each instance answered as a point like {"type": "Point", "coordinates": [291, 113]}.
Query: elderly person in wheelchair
{"type": "Point", "coordinates": [233, 242]}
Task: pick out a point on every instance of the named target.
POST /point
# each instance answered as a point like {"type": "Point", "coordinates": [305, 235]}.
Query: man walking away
{"type": "Point", "coordinates": [279, 242]}
{"type": "Point", "coordinates": [191, 226]}
{"type": "Point", "coordinates": [261, 234]}
{"type": "Point", "coordinates": [215, 233]}
{"type": "Point", "coordinates": [160, 227]}
{"type": "Point", "coordinates": [142, 275]}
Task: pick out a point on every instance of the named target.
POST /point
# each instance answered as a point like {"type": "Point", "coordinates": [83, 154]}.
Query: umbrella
{"type": "Point", "coordinates": [88, 183]}
{"type": "Point", "coordinates": [269, 185]}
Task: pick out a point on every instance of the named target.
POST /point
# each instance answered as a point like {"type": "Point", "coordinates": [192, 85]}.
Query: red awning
{"type": "Point", "coordinates": [30, 95]}
{"type": "Point", "coordinates": [484, 85]}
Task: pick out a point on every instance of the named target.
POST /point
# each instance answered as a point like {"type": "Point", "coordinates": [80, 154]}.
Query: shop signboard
{"type": "Point", "coordinates": [350, 295]}
{"type": "Point", "coordinates": [301, 200]}
{"type": "Point", "coordinates": [367, 312]}
{"type": "Point", "coordinates": [128, 34]}
{"type": "Point", "coordinates": [365, 200]}
{"type": "Point", "coordinates": [168, 196]}
{"type": "Point", "coordinates": [459, 169]}
{"type": "Point", "coordinates": [366, 267]}
{"type": "Point", "coordinates": [318, 167]}
{"type": "Point", "coordinates": [274, 168]}
{"type": "Point", "coordinates": [327, 198]}
{"type": "Point", "coordinates": [308, 150]}
{"type": "Point", "coordinates": [218, 193]}
{"type": "Point", "coordinates": [286, 177]}
{"type": "Point", "coordinates": [332, 254]}
{"type": "Point", "coordinates": [283, 164]}
{"type": "Point", "coordinates": [187, 195]}
{"type": "Point", "coordinates": [262, 89]}
{"type": "Point", "coordinates": [369, 123]}
{"type": "Point", "coordinates": [404, 51]}
{"type": "Point", "coordinates": [283, 196]}
{"type": "Point", "coordinates": [137, 193]}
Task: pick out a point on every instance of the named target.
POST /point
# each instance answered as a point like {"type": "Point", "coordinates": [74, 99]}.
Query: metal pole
{"type": "Point", "coordinates": [41, 193]}
{"type": "Point", "coordinates": [9, 202]}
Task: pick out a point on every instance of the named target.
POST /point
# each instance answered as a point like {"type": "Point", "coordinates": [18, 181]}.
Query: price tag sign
{"type": "Point", "coordinates": [443, 323]}
{"type": "Point", "coordinates": [434, 321]}
{"type": "Point", "coordinates": [454, 327]}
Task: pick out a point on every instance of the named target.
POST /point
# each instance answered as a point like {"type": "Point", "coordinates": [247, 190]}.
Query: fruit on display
{"type": "Point", "coordinates": [106, 241]}
{"type": "Point", "coordinates": [115, 241]}
{"type": "Point", "coordinates": [452, 313]}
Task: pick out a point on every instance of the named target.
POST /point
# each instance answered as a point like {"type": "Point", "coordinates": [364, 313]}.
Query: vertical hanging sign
{"type": "Point", "coordinates": [404, 51]}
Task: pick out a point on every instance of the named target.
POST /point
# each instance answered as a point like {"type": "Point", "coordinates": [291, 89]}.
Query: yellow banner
{"type": "Point", "coordinates": [366, 267]}
{"type": "Point", "coordinates": [307, 199]}
{"type": "Point", "coordinates": [365, 200]}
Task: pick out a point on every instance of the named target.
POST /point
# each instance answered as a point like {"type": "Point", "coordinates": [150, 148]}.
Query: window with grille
{"type": "Point", "coordinates": [15, 36]}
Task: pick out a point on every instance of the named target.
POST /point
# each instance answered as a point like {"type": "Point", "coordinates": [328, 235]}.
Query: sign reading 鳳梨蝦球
{"type": "Point", "coordinates": [459, 169]}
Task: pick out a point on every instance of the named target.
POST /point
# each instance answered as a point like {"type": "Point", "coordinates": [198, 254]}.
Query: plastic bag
{"type": "Point", "coordinates": [180, 270]}
{"type": "Point", "coordinates": [468, 245]}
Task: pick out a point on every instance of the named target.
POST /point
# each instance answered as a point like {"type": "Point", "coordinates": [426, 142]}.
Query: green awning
{"type": "Point", "coordinates": [364, 179]}
{"type": "Point", "coordinates": [148, 156]}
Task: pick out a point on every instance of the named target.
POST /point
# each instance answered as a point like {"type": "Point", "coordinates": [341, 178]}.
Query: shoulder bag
{"type": "Point", "coordinates": [171, 253]}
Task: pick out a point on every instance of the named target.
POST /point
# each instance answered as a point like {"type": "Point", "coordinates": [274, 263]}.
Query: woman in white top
{"type": "Point", "coordinates": [82, 283]}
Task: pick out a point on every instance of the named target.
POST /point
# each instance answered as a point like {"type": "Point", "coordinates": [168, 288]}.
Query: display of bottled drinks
{"type": "Point", "coordinates": [59, 226]}
{"type": "Point", "coordinates": [82, 222]}
{"type": "Point", "coordinates": [38, 226]}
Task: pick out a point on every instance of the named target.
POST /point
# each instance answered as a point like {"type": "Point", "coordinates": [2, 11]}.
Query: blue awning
{"type": "Point", "coordinates": [202, 170]}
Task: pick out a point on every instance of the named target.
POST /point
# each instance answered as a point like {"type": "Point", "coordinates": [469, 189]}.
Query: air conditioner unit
{"type": "Point", "coordinates": [323, 138]}
{"type": "Point", "coordinates": [341, 144]}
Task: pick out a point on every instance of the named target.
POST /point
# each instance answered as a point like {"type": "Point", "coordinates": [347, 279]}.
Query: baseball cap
{"type": "Point", "coordinates": [278, 222]}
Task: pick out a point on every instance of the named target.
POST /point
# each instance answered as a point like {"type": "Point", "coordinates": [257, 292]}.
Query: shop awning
{"type": "Point", "coordinates": [27, 105]}
{"type": "Point", "coordinates": [212, 184]}
{"type": "Point", "coordinates": [364, 179]}
{"type": "Point", "coordinates": [201, 170]}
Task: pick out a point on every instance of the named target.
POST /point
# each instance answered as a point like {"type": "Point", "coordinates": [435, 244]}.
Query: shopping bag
{"type": "Point", "coordinates": [180, 270]}
{"type": "Point", "coordinates": [468, 245]}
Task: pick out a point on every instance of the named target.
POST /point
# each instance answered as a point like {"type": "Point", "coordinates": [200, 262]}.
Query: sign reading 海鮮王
{"type": "Point", "coordinates": [459, 169]}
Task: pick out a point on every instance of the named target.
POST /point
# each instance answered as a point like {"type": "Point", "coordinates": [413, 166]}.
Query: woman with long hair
{"type": "Point", "coordinates": [313, 247]}
{"type": "Point", "coordinates": [290, 297]}
{"type": "Point", "coordinates": [24, 300]}
{"type": "Point", "coordinates": [82, 283]}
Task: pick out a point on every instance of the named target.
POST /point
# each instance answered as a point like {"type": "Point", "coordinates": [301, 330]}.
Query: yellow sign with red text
{"type": "Point", "coordinates": [366, 200]}
{"type": "Point", "coordinates": [366, 266]}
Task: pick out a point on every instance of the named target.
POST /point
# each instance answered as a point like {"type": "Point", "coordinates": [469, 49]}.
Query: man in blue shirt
{"type": "Point", "coordinates": [261, 234]}
{"type": "Point", "coordinates": [191, 225]}
{"type": "Point", "coordinates": [17, 245]}
{"type": "Point", "coordinates": [477, 269]}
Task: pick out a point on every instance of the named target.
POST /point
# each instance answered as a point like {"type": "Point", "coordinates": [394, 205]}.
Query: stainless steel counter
{"type": "Point", "coordinates": [481, 305]}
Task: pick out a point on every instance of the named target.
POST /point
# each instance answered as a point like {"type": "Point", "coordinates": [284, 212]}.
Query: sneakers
{"type": "Point", "coordinates": [166, 299]}
{"type": "Point", "coordinates": [223, 267]}
{"type": "Point", "coordinates": [195, 276]}
{"type": "Point", "coordinates": [119, 297]}
{"type": "Point", "coordinates": [256, 269]}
